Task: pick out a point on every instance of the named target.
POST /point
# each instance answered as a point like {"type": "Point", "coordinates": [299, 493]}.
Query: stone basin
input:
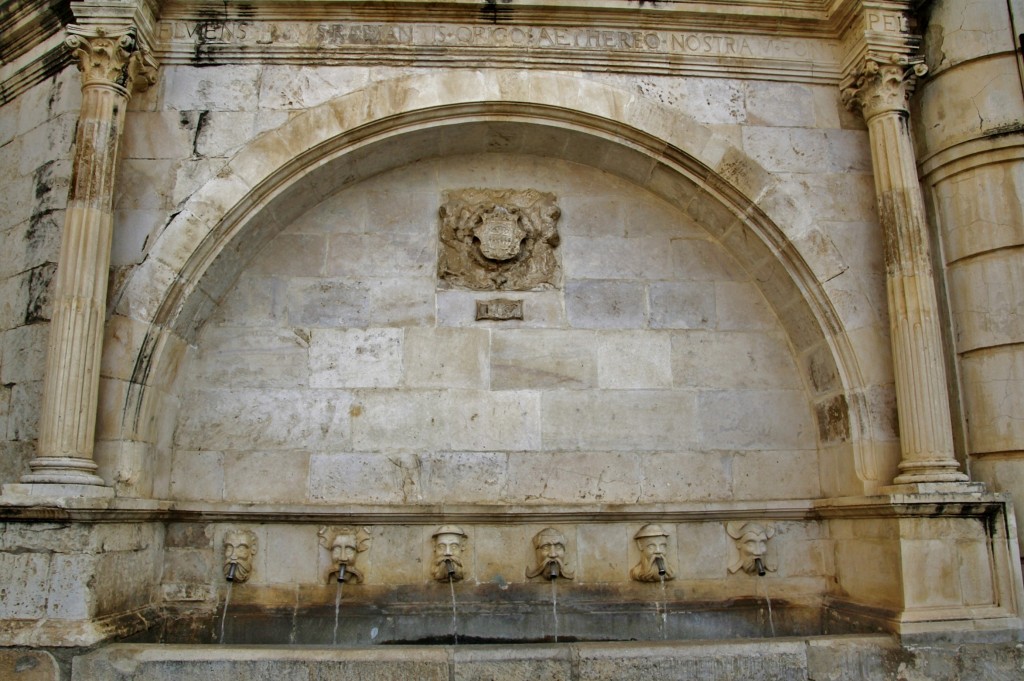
{"type": "Point", "coordinates": [838, 658]}
{"type": "Point", "coordinates": [515, 623]}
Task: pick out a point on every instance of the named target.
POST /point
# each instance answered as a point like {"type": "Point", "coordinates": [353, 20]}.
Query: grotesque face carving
{"type": "Point", "coordinates": [344, 544]}
{"type": "Point", "coordinates": [652, 541]}
{"type": "Point", "coordinates": [449, 543]}
{"type": "Point", "coordinates": [750, 547]}
{"type": "Point", "coordinates": [549, 551]}
{"type": "Point", "coordinates": [239, 549]}
{"type": "Point", "coordinates": [343, 549]}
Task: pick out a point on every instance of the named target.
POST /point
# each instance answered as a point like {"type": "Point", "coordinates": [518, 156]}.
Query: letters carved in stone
{"type": "Point", "coordinates": [499, 240]}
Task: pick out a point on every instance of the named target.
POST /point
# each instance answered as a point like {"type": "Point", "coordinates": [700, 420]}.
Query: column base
{"type": "Point", "coordinates": [930, 471]}
{"type": "Point", "coordinates": [64, 472]}
{"type": "Point", "coordinates": [965, 487]}
{"type": "Point", "coordinates": [55, 490]}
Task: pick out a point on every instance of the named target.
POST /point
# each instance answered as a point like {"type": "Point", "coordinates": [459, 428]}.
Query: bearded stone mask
{"type": "Point", "coordinates": [239, 548]}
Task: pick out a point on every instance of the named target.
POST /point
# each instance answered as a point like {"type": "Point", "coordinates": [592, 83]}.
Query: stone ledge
{"type": "Point", "coordinates": [122, 509]}
{"type": "Point", "coordinates": [840, 658]}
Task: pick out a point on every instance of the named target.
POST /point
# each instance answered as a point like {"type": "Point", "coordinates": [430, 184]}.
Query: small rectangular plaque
{"type": "Point", "coordinates": [499, 309]}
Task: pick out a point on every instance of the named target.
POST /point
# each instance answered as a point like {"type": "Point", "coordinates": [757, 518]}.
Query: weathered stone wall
{"type": "Point", "coordinates": [36, 137]}
{"type": "Point", "coordinates": [970, 147]}
{"type": "Point", "coordinates": [338, 371]}
{"type": "Point", "coordinates": [69, 584]}
{"type": "Point", "coordinates": [181, 149]}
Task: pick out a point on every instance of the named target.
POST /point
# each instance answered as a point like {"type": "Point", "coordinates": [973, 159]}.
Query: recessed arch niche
{"type": "Point", "coordinates": [196, 263]}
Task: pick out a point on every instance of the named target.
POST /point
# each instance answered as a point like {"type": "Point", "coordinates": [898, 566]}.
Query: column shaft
{"type": "Point", "coordinates": [926, 434]}
{"type": "Point", "coordinates": [922, 401]}
{"type": "Point", "coordinates": [109, 64]}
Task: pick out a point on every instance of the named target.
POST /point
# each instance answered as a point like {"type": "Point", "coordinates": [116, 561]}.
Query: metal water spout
{"type": "Point", "coordinates": [231, 572]}
{"type": "Point", "coordinates": [660, 562]}
{"type": "Point", "coordinates": [341, 572]}
{"type": "Point", "coordinates": [449, 566]}
{"type": "Point", "coordinates": [553, 571]}
{"type": "Point", "coordinates": [759, 566]}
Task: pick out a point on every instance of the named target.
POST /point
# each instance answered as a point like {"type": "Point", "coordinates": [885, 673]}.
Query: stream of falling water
{"type": "Point", "coordinates": [295, 621]}
{"type": "Point", "coordinates": [224, 614]}
{"type": "Point", "coordinates": [455, 620]}
{"type": "Point", "coordinates": [664, 610]}
{"type": "Point", "coordinates": [768, 602]}
{"type": "Point", "coordinates": [554, 605]}
{"type": "Point", "coordinates": [337, 611]}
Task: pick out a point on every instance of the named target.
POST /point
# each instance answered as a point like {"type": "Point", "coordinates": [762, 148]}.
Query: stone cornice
{"type": "Point", "coordinates": [119, 16]}
{"type": "Point", "coordinates": [34, 509]}
{"type": "Point", "coordinates": [27, 23]}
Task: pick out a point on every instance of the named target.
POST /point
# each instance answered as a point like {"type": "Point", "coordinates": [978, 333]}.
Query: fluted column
{"type": "Point", "coordinates": [879, 89]}
{"type": "Point", "coordinates": [111, 64]}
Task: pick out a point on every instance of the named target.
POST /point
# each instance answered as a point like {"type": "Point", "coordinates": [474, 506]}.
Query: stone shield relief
{"type": "Point", "coordinates": [499, 240]}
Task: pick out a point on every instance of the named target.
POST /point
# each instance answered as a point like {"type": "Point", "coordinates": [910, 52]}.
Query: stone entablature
{"type": "Point", "coordinates": [625, 44]}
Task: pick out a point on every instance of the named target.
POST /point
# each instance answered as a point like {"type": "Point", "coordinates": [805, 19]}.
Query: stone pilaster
{"type": "Point", "coordinates": [111, 63]}
{"type": "Point", "coordinates": [879, 88]}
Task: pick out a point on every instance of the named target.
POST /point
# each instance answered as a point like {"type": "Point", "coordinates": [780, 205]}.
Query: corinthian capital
{"type": "Point", "coordinates": [111, 57]}
{"type": "Point", "coordinates": [880, 85]}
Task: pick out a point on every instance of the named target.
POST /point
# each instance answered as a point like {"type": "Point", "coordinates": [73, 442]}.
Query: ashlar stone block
{"type": "Point", "coordinates": [197, 475]}
{"type": "Point", "coordinates": [356, 358]}
{"type": "Point", "coordinates": [489, 421]}
{"type": "Point", "coordinates": [265, 477]}
{"type": "Point", "coordinates": [623, 420]}
{"type": "Point", "coordinates": [543, 359]}
{"type": "Point", "coordinates": [994, 385]}
{"type": "Point", "coordinates": [289, 554]}
{"type": "Point", "coordinates": [780, 104]}
{"type": "Point", "coordinates": [609, 257]}
{"type": "Point", "coordinates": [634, 360]}
{"type": "Point", "coordinates": [24, 353]}
{"type": "Point", "coordinates": [368, 478]}
{"type": "Point", "coordinates": [392, 419]}
{"type": "Point", "coordinates": [981, 210]}
{"type": "Point", "coordinates": [682, 304]}
{"type": "Point", "coordinates": [988, 300]}
{"type": "Point", "coordinates": [446, 358]}
{"type": "Point", "coordinates": [605, 304]}
{"type": "Point", "coordinates": [708, 476]}
{"type": "Point", "coordinates": [738, 419]}
{"type": "Point", "coordinates": [727, 359]}
{"type": "Point", "coordinates": [471, 477]}
{"type": "Point", "coordinates": [389, 254]}
{"type": "Point", "coordinates": [193, 88]}
{"type": "Point", "coordinates": [23, 595]}
{"type": "Point", "coordinates": [573, 477]}
{"type": "Point", "coordinates": [252, 357]}
{"type": "Point", "coordinates": [775, 475]}
{"type": "Point", "coordinates": [236, 418]}
{"type": "Point", "coordinates": [292, 255]}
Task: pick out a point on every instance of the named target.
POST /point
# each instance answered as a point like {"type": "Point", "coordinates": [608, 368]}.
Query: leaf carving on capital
{"type": "Point", "coordinates": [882, 85]}
{"type": "Point", "coordinates": [114, 58]}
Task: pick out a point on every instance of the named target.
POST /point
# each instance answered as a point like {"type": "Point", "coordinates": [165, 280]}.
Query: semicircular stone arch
{"type": "Point", "coordinates": [197, 259]}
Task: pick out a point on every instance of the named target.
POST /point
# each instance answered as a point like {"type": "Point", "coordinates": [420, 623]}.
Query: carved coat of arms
{"type": "Point", "coordinates": [499, 240]}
